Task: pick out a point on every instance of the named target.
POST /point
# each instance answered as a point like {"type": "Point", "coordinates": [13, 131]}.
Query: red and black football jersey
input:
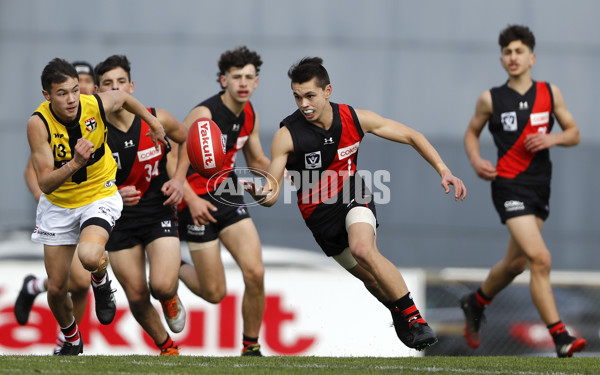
{"type": "Point", "coordinates": [514, 117]}
{"type": "Point", "coordinates": [324, 161]}
{"type": "Point", "coordinates": [141, 165]}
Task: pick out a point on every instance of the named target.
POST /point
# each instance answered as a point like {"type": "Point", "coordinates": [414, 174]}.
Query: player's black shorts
{"type": "Point", "coordinates": [226, 215]}
{"type": "Point", "coordinates": [517, 199]}
{"type": "Point", "coordinates": [331, 234]}
{"type": "Point", "coordinates": [141, 234]}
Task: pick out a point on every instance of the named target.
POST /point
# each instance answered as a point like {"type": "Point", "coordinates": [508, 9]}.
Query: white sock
{"type": "Point", "coordinates": [96, 284]}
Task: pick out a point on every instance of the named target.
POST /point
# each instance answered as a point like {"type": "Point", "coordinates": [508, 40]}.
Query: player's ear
{"type": "Point", "coordinates": [46, 95]}
{"type": "Point", "coordinates": [223, 81]}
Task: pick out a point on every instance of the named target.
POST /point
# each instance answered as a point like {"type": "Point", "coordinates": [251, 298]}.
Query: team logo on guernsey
{"type": "Point", "coordinates": [149, 153]}
{"type": "Point", "coordinates": [90, 124]}
{"type": "Point", "coordinates": [345, 152]}
{"type": "Point", "coordinates": [312, 160]}
{"type": "Point", "coordinates": [509, 121]}
{"type": "Point", "coordinates": [538, 119]}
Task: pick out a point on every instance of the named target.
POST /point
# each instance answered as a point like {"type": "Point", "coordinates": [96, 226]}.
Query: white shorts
{"type": "Point", "coordinates": [55, 225]}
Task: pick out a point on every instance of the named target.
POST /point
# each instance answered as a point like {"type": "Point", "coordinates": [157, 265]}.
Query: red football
{"type": "Point", "coordinates": [206, 147]}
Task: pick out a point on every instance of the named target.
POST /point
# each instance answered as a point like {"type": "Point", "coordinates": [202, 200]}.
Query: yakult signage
{"type": "Point", "coordinates": [320, 311]}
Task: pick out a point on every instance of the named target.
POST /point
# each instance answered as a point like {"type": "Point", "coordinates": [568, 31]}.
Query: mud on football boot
{"type": "Point", "coordinates": [473, 318]}
{"type": "Point", "coordinates": [423, 336]}
{"type": "Point", "coordinates": [251, 351]}
{"type": "Point", "coordinates": [106, 306]}
{"type": "Point", "coordinates": [24, 302]}
{"type": "Point", "coordinates": [566, 348]}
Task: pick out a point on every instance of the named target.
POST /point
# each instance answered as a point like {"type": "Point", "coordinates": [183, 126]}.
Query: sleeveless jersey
{"type": "Point", "coordinates": [141, 165]}
{"type": "Point", "coordinates": [514, 117]}
{"type": "Point", "coordinates": [326, 162]}
{"type": "Point", "coordinates": [94, 181]}
{"type": "Point", "coordinates": [236, 130]}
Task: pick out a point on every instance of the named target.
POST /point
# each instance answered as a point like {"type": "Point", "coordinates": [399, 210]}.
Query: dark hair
{"type": "Point", "coordinates": [57, 71]}
{"type": "Point", "coordinates": [307, 69]}
{"type": "Point", "coordinates": [84, 67]}
{"type": "Point", "coordinates": [516, 32]}
{"type": "Point", "coordinates": [238, 58]}
{"type": "Point", "coordinates": [112, 62]}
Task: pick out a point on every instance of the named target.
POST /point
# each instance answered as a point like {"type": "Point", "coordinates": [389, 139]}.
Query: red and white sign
{"type": "Point", "coordinates": [317, 311]}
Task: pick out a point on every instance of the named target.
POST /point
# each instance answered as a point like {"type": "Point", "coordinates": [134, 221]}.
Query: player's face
{"type": "Point", "coordinates": [64, 98]}
{"type": "Point", "coordinates": [517, 58]}
{"type": "Point", "coordinates": [311, 99]}
{"type": "Point", "coordinates": [240, 83]}
{"type": "Point", "coordinates": [116, 79]}
{"type": "Point", "coordinates": [87, 86]}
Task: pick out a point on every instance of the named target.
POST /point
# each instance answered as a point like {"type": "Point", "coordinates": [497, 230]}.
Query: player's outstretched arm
{"type": "Point", "coordinates": [281, 147]}
{"type": "Point", "coordinates": [398, 132]}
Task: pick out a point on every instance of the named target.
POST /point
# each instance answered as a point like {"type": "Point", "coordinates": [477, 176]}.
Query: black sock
{"type": "Point", "coordinates": [558, 331]}
{"type": "Point", "coordinates": [406, 307]}
{"type": "Point", "coordinates": [249, 341]}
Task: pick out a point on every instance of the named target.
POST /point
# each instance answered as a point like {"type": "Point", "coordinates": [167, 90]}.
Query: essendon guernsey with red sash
{"type": "Point", "coordinates": [514, 117]}
{"type": "Point", "coordinates": [236, 130]}
{"type": "Point", "coordinates": [141, 165]}
{"type": "Point", "coordinates": [326, 160]}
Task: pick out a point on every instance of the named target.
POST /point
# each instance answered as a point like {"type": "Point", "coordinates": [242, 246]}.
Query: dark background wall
{"type": "Point", "coordinates": [421, 63]}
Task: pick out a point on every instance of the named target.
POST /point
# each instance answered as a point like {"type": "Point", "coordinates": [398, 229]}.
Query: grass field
{"type": "Point", "coordinates": [137, 364]}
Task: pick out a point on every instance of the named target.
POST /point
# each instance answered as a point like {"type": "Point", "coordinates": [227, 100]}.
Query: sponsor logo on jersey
{"type": "Point", "coordinates": [236, 127]}
{"type": "Point", "coordinates": [90, 124]}
{"type": "Point", "coordinates": [58, 135]}
{"type": "Point", "coordinates": [538, 119]}
{"type": "Point", "coordinates": [149, 153]}
{"type": "Point", "coordinates": [241, 141]}
{"type": "Point", "coordinates": [129, 143]}
{"type": "Point", "coordinates": [343, 153]}
{"type": "Point", "coordinates": [509, 121]}
{"type": "Point", "coordinates": [110, 183]}
{"type": "Point", "coordinates": [328, 141]}
{"type": "Point", "coordinates": [510, 206]}
{"type": "Point", "coordinates": [165, 223]}
{"type": "Point", "coordinates": [523, 106]}
{"type": "Point", "coordinates": [241, 210]}
{"type": "Point", "coordinates": [312, 160]}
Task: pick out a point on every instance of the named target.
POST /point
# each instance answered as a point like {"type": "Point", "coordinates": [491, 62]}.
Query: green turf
{"type": "Point", "coordinates": [138, 364]}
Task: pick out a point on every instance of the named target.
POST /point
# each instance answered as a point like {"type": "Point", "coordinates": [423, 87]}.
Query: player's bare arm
{"type": "Point", "coordinates": [483, 110]}
{"type": "Point", "coordinates": [50, 179]}
{"type": "Point", "coordinates": [31, 180]}
{"type": "Point", "coordinates": [281, 147]}
{"type": "Point", "coordinates": [570, 132]}
{"type": "Point", "coordinates": [394, 131]}
{"type": "Point", "coordinates": [114, 100]}
{"type": "Point", "coordinates": [177, 132]}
